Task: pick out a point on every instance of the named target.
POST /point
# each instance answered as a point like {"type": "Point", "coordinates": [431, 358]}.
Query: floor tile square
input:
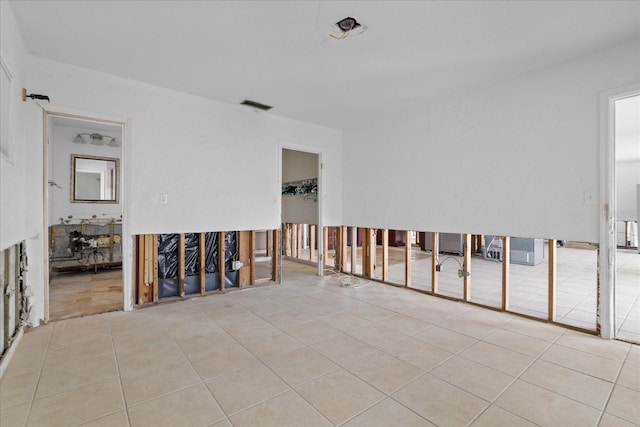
{"type": "Point", "coordinates": [388, 413]}
{"type": "Point", "coordinates": [625, 403]}
{"type": "Point", "coordinates": [78, 405]}
{"type": "Point", "coordinates": [445, 339]}
{"type": "Point", "coordinates": [287, 409]}
{"type": "Point", "coordinates": [274, 345]}
{"type": "Point", "coordinates": [569, 383]}
{"type": "Point", "coordinates": [385, 372]}
{"type": "Point", "coordinates": [439, 402]}
{"type": "Point", "coordinates": [517, 342]}
{"type": "Point", "coordinates": [587, 363]}
{"type": "Point", "coordinates": [219, 361]}
{"type": "Point", "coordinates": [344, 321]}
{"type": "Point", "coordinates": [484, 382]}
{"type": "Point", "coordinates": [496, 416]}
{"type": "Point", "coordinates": [300, 366]}
{"type": "Point", "coordinates": [339, 395]}
{"type": "Point", "coordinates": [193, 406]}
{"type": "Point", "coordinates": [504, 360]}
{"type": "Point", "coordinates": [418, 353]}
{"type": "Point", "coordinates": [546, 408]}
{"type": "Point", "coordinates": [246, 387]}
{"type": "Point", "coordinates": [18, 389]}
{"type": "Point", "coordinates": [377, 335]}
{"type": "Point", "coordinates": [312, 332]}
{"type": "Point", "coordinates": [343, 349]}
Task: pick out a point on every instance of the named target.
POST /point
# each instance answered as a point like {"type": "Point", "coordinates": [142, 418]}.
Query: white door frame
{"type": "Point", "coordinates": [126, 239]}
{"type": "Point", "coordinates": [607, 214]}
{"type": "Point", "coordinates": [320, 229]}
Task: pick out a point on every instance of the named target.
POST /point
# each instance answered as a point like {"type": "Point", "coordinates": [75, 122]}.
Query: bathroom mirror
{"type": "Point", "coordinates": [94, 179]}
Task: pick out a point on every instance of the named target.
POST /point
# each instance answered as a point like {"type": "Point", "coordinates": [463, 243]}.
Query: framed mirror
{"type": "Point", "coordinates": [94, 179]}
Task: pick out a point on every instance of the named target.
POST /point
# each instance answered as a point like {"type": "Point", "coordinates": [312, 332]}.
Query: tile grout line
{"type": "Point", "coordinates": [115, 356]}
{"type": "Point", "coordinates": [35, 390]}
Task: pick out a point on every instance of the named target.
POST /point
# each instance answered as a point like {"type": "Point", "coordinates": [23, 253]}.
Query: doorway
{"type": "Point", "coordinates": [83, 216]}
{"type": "Point", "coordinates": [301, 214]}
{"type": "Point", "coordinates": [627, 215]}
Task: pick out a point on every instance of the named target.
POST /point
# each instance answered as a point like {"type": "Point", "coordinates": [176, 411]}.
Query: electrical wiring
{"type": "Point", "coordinates": [346, 280]}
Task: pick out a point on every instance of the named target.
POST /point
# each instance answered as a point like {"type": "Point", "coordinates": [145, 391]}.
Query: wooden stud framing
{"type": "Point", "coordinates": [275, 257]}
{"type": "Point", "coordinates": [286, 231]}
{"type": "Point", "coordinates": [252, 257]}
{"type": "Point", "coordinates": [268, 237]}
{"type": "Point", "coordinates": [435, 249]}
{"type": "Point", "coordinates": [299, 241]}
{"type": "Point", "coordinates": [221, 259]}
{"type": "Point", "coordinates": [385, 254]}
{"type": "Point", "coordinates": [407, 258]}
{"type": "Point", "coordinates": [371, 252]}
{"type": "Point", "coordinates": [506, 262]}
{"type": "Point", "coordinates": [144, 294]}
{"type": "Point", "coordinates": [552, 280]}
{"type": "Point", "coordinates": [354, 249]}
{"type": "Point", "coordinates": [155, 267]}
{"type": "Point", "coordinates": [343, 248]}
{"type": "Point", "coordinates": [325, 247]}
{"type": "Point", "coordinates": [181, 265]}
{"type": "Point", "coordinates": [203, 259]}
{"type": "Point", "coordinates": [466, 266]}
{"type": "Point", "coordinates": [365, 251]}
{"type": "Point", "coordinates": [312, 240]}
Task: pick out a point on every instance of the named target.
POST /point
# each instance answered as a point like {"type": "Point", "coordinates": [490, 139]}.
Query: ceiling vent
{"type": "Point", "coordinates": [257, 105]}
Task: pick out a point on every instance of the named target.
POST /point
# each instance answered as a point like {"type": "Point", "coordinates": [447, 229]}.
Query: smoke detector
{"type": "Point", "coordinates": [347, 25]}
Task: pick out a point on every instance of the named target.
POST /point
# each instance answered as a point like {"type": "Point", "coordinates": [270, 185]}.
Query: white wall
{"type": "Point", "coordinates": [513, 159]}
{"type": "Point", "coordinates": [627, 180]}
{"type": "Point", "coordinates": [12, 171]}
{"type": "Point", "coordinates": [61, 148]}
{"type": "Point", "coordinates": [218, 163]}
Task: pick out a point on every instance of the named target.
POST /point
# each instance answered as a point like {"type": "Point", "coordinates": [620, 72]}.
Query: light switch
{"type": "Point", "coordinates": [164, 198]}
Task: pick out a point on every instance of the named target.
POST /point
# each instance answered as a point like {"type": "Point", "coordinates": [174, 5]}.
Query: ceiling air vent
{"type": "Point", "coordinates": [257, 105]}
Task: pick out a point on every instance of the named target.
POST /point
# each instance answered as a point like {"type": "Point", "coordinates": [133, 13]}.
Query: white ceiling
{"type": "Point", "coordinates": [280, 52]}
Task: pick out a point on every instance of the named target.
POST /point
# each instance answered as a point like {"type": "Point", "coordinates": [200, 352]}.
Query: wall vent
{"type": "Point", "coordinates": [257, 105]}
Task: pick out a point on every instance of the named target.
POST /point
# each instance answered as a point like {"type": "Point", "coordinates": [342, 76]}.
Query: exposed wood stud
{"type": "Point", "coordinates": [325, 246]}
{"type": "Point", "coordinates": [372, 246]}
{"type": "Point", "coordinates": [299, 241]}
{"type": "Point", "coordinates": [221, 259]}
{"type": "Point", "coordinates": [155, 267]}
{"type": "Point", "coordinates": [365, 252]}
{"type": "Point", "coordinates": [435, 249]}
{"type": "Point", "coordinates": [407, 258]}
{"type": "Point", "coordinates": [275, 257]}
{"type": "Point", "coordinates": [203, 260]}
{"type": "Point", "coordinates": [552, 280]}
{"type": "Point", "coordinates": [181, 264]}
{"type": "Point", "coordinates": [466, 266]}
{"type": "Point", "coordinates": [269, 246]}
{"type": "Point", "coordinates": [385, 254]}
{"type": "Point", "coordinates": [312, 240]}
{"type": "Point", "coordinates": [143, 288]}
{"type": "Point", "coordinates": [506, 262]}
{"type": "Point", "coordinates": [343, 248]}
{"type": "Point", "coordinates": [354, 249]}
{"type": "Point", "coordinates": [252, 257]}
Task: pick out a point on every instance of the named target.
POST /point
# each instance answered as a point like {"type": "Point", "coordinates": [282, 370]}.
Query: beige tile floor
{"type": "Point", "coordinates": [312, 353]}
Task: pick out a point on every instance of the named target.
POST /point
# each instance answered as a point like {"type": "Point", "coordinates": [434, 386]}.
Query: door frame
{"type": "Point", "coordinates": [126, 238]}
{"type": "Point", "coordinates": [607, 206]}
{"type": "Point", "coordinates": [320, 168]}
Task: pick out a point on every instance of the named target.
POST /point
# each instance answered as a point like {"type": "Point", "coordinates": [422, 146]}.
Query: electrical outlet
{"type": "Point", "coordinates": [463, 273]}
{"type": "Point", "coordinates": [438, 267]}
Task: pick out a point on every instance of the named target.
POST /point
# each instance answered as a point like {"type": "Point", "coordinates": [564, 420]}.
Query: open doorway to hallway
{"type": "Point", "coordinates": [627, 217]}
{"type": "Point", "coordinates": [83, 216]}
{"type": "Point", "coordinates": [302, 233]}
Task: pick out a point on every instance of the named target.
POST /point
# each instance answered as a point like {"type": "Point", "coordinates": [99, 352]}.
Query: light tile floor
{"type": "Point", "coordinates": [312, 353]}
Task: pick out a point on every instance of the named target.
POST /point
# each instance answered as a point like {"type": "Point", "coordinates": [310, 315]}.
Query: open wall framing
{"type": "Point", "coordinates": [187, 264]}
{"type": "Point", "coordinates": [481, 270]}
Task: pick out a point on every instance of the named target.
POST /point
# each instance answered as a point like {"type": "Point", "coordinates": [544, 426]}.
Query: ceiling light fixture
{"type": "Point", "coordinates": [96, 139]}
{"type": "Point", "coordinates": [347, 25]}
